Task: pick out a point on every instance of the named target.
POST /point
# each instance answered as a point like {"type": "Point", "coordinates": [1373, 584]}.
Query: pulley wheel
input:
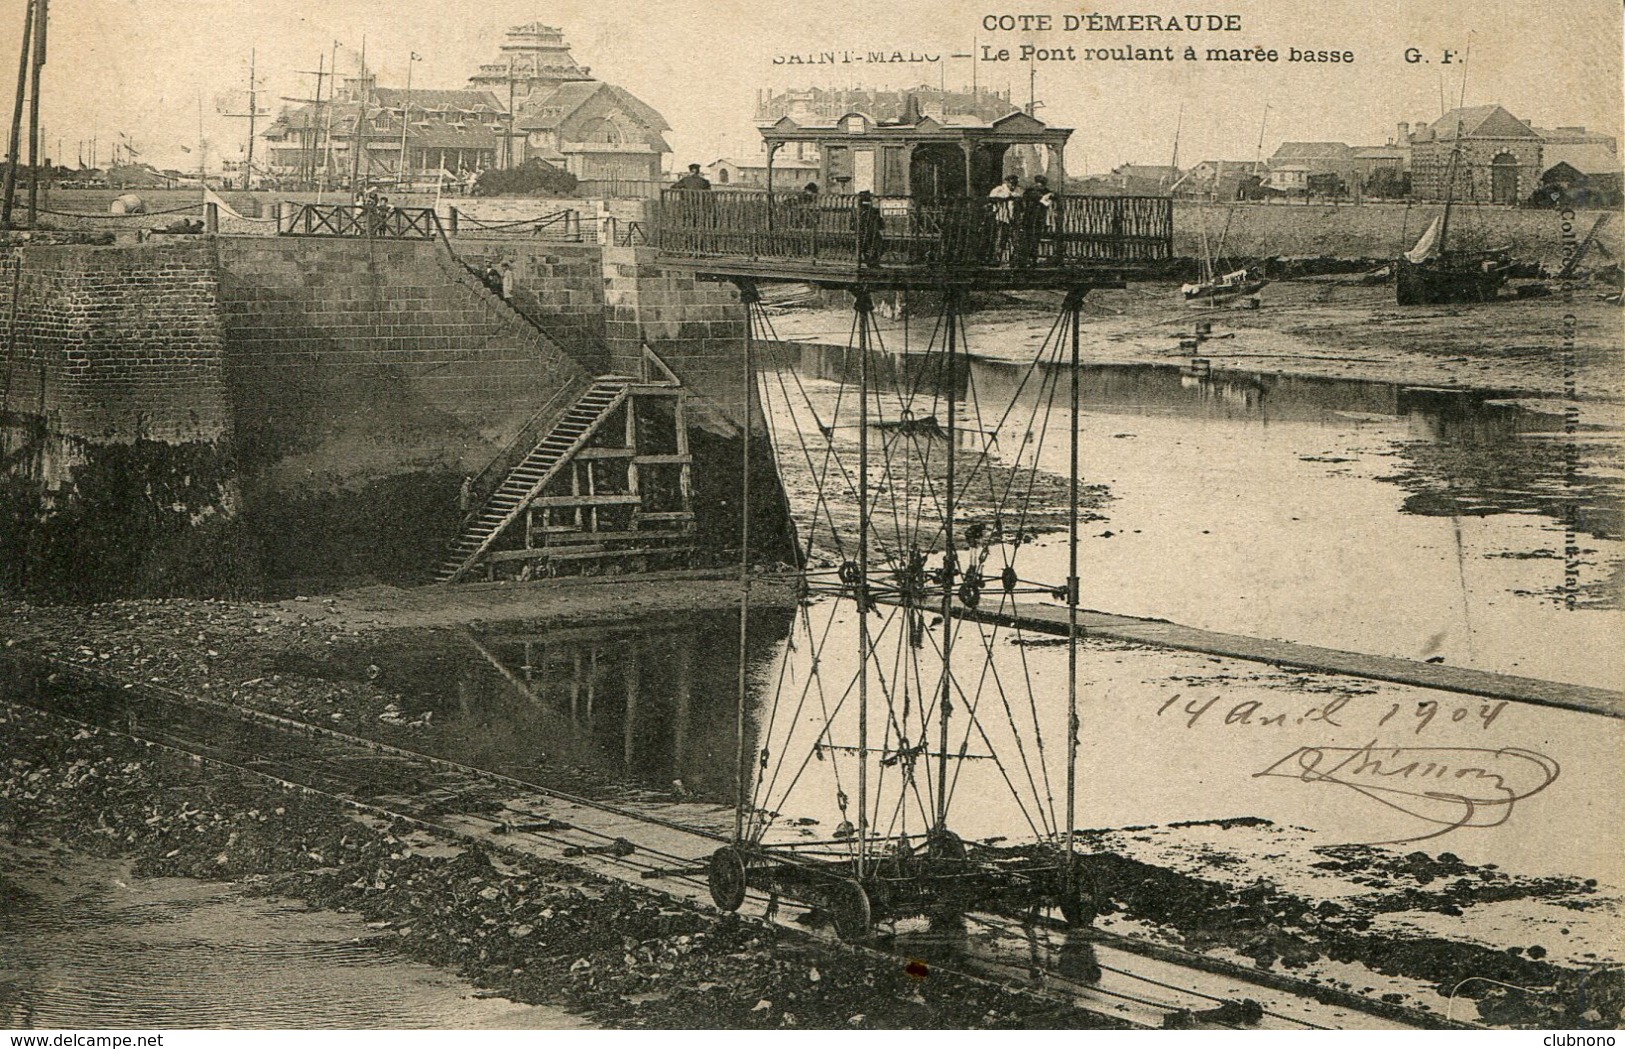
{"type": "Point", "coordinates": [1080, 904]}
{"type": "Point", "coordinates": [945, 845]}
{"type": "Point", "coordinates": [725, 874]}
{"type": "Point", "coordinates": [848, 908]}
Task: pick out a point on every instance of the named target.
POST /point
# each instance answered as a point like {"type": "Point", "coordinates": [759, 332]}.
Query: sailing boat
{"type": "Point", "coordinates": [1214, 289]}
{"type": "Point", "coordinates": [1431, 274]}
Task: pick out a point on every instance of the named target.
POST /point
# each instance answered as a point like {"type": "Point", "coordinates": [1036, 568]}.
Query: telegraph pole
{"type": "Point", "coordinates": [41, 16]}
{"type": "Point", "coordinates": [10, 187]}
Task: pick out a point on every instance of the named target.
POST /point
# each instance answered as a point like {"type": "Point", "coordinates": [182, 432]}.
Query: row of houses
{"type": "Point", "coordinates": [1498, 158]}
{"type": "Point", "coordinates": [533, 103]}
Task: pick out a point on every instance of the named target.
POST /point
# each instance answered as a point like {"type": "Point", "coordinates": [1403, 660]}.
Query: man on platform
{"type": "Point", "coordinates": [1004, 197]}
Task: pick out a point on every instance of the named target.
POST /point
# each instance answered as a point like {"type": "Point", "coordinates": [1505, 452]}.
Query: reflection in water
{"type": "Point", "coordinates": [1499, 458]}
{"type": "Point", "coordinates": [648, 703]}
{"type": "Point", "coordinates": [1467, 453]}
{"type": "Point", "coordinates": [1371, 516]}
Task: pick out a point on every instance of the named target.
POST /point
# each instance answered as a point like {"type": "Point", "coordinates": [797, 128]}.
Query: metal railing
{"type": "Point", "coordinates": [352, 220]}
{"type": "Point", "coordinates": [836, 229]}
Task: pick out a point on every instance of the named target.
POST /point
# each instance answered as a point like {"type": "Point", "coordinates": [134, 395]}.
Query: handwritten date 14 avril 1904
{"type": "Point", "coordinates": [1338, 713]}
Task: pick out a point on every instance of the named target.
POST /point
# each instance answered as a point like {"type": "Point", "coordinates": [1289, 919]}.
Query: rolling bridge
{"type": "Point", "coordinates": [916, 212]}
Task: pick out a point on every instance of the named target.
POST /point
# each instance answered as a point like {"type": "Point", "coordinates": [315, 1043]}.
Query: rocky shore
{"type": "Point", "coordinates": [1418, 928]}
{"type": "Point", "coordinates": [532, 931]}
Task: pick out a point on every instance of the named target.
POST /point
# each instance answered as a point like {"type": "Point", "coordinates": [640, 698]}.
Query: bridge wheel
{"type": "Point", "coordinates": [849, 909]}
{"type": "Point", "coordinates": [725, 874]}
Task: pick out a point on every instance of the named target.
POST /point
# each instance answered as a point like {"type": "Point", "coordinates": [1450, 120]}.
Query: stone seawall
{"type": "Point", "coordinates": [1375, 230]}
{"type": "Point", "coordinates": [118, 454]}
{"type": "Point", "coordinates": [237, 413]}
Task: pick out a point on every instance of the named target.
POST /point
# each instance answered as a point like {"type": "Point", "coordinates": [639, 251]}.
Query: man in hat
{"type": "Point", "coordinates": [693, 180]}
{"type": "Point", "coordinates": [868, 223]}
{"type": "Point", "coordinates": [1033, 220]}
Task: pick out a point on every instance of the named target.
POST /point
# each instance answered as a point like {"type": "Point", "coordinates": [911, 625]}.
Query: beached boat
{"type": "Point", "coordinates": [1430, 274]}
{"type": "Point", "coordinates": [1224, 290]}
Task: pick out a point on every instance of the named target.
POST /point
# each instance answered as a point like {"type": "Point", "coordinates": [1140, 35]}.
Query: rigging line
{"type": "Point", "coordinates": [906, 410]}
{"type": "Point", "coordinates": [857, 678]}
{"type": "Point", "coordinates": [933, 360]}
{"type": "Point", "coordinates": [1032, 705]}
{"type": "Point", "coordinates": [909, 443]}
{"type": "Point", "coordinates": [764, 793]}
{"type": "Point", "coordinates": [1051, 382]}
{"type": "Point", "coordinates": [821, 479]}
{"type": "Point", "coordinates": [989, 666]}
{"type": "Point", "coordinates": [821, 499]}
{"type": "Point", "coordinates": [990, 440]}
{"type": "Point", "coordinates": [950, 681]}
{"type": "Point", "coordinates": [816, 651]}
{"type": "Point", "coordinates": [891, 711]}
{"type": "Point", "coordinates": [908, 764]}
{"type": "Point", "coordinates": [830, 454]}
{"type": "Point", "coordinates": [981, 461]}
{"type": "Point", "coordinates": [1010, 551]}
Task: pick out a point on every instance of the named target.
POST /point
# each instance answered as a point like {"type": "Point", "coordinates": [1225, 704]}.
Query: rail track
{"type": "Point", "coordinates": [1139, 983]}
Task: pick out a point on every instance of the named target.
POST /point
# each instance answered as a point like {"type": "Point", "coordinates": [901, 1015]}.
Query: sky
{"type": "Point", "coordinates": [142, 67]}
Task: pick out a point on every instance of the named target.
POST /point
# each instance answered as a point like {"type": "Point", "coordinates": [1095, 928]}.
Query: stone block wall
{"type": "Point", "coordinates": [697, 327]}
{"type": "Point", "coordinates": [558, 286]}
{"type": "Point", "coordinates": [116, 343]}
{"type": "Point", "coordinates": [390, 341]}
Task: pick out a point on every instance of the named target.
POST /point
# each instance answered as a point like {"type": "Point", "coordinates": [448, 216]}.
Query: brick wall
{"type": "Point", "coordinates": [119, 343]}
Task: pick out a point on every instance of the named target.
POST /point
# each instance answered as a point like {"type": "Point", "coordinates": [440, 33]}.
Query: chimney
{"type": "Point", "coordinates": [1404, 133]}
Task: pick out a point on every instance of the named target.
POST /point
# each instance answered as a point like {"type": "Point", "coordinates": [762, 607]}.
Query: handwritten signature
{"type": "Point", "coordinates": [1445, 787]}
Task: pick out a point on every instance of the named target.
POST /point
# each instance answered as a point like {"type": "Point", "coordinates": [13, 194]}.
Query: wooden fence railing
{"type": "Point", "coordinates": [351, 220]}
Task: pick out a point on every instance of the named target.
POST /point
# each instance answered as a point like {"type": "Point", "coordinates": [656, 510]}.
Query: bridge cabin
{"type": "Point", "coordinates": [906, 202]}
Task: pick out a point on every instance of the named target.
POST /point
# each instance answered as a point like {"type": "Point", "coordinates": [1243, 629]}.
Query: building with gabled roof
{"type": "Point", "coordinates": [534, 101]}
{"type": "Point", "coordinates": [562, 115]}
{"type": "Point", "coordinates": [1219, 179]}
{"type": "Point", "coordinates": [1293, 163]}
{"type": "Point", "coordinates": [1497, 157]}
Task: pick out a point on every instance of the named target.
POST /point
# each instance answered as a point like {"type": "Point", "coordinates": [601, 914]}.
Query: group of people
{"type": "Point", "coordinates": [372, 210]}
{"type": "Point", "coordinates": [499, 279]}
{"type": "Point", "coordinates": [1023, 218]}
